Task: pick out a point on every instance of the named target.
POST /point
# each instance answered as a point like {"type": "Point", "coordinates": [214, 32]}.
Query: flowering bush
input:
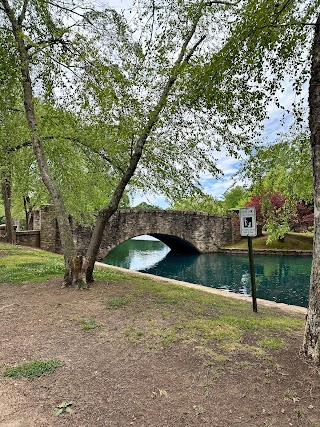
{"type": "Point", "coordinates": [278, 215]}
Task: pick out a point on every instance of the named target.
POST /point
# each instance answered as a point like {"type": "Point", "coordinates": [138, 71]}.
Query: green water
{"type": "Point", "coordinates": [278, 278]}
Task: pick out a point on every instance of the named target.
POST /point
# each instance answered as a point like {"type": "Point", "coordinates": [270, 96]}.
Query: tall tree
{"type": "Point", "coordinates": [17, 19]}
{"type": "Point", "coordinates": [311, 342]}
{"type": "Point", "coordinates": [166, 91]}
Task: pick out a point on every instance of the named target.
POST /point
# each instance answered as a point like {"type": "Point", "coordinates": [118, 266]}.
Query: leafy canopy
{"type": "Point", "coordinates": [98, 73]}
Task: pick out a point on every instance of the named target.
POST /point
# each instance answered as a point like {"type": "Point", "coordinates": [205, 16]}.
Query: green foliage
{"type": "Point", "coordinates": [283, 166]}
{"type": "Point", "coordinates": [88, 324]}
{"type": "Point", "coordinates": [118, 302]}
{"type": "Point", "coordinates": [96, 112]}
{"type": "Point", "coordinates": [234, 197]}
{"type": "Point", "coordinates": [145, 205]}
{"type": "Point", "coordinates": [199, 203]}
{"type": "Point", "coordinates": [63, 407]}
{"type": "Point", "coordinates": [34, 369]}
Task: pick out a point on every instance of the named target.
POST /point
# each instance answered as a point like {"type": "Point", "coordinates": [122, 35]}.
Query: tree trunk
{"type": "Point", "coordinates": [54, 191]}
{"type": "Point", "coordinates": [153, 117]}
{"type": "Point", "coordinates": [6, 195]}
{"type": "Point", "coordinates": [28, 211]}
{"type": "Point", "coordinates": [312, 328]}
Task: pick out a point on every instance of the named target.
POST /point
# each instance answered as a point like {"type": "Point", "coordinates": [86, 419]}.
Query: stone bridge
{"type": "Point", "coordinates": [182, 231]}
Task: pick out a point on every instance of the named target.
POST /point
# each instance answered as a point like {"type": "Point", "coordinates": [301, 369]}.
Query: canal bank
{"type": "Point", "coordinates": [294, 252]}
{"type": "Point", "coordinates": [290, 309]}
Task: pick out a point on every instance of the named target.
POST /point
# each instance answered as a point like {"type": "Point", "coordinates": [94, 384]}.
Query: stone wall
{"type": "Point", "coordinates": [28, 238]}
{"type": "Point", "coordinates": [23, 238]}
{"type": "Point", "coordinates": [182, 231]}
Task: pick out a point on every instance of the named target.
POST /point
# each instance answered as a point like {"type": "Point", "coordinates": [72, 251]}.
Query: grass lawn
{"type": "Point", "coordinates": [292, 241]}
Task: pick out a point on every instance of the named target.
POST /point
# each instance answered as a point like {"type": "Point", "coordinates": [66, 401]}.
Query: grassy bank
{"type": "Point", "coordinates": [292, 241]}
{"type": "Point", "coordinates": [198, 317]}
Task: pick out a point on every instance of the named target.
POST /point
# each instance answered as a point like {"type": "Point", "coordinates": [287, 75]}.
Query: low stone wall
{"type": "Point", "coordinates": [23, 238]}
{"type": "Point", "coordinates": [28, 238]}
{"type": "Point", "coordinates": [304, 252]}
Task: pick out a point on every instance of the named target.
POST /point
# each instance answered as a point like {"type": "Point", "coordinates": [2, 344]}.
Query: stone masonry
{"type": "Point", "coordinates": [182, 231]}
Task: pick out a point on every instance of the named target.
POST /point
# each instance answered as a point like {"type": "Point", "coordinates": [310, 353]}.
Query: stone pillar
{"type": "Point", "coordinates": [49, 234]}
{"type": "Point", "coordinates": [36, 220]}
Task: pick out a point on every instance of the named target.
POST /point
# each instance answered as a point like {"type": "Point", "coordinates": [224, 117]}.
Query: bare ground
{"type": "Point", "coordinates": [113, 379]}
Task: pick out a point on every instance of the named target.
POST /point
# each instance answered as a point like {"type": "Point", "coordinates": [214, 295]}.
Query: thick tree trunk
{"type": "Point", "coordinates": [54, 191]}
{"type": "Point", "coordinates": [312, 329]}
{"type": "Point", "coordinates": [6, 195]}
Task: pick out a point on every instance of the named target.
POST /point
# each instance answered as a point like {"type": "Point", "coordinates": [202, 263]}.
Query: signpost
{"type": "Point", "coordinates": [248, 228]}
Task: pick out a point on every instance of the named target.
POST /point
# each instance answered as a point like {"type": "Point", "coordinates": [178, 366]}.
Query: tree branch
{"type": "Point", "coordinates": [42, 44]}
{"type": "Point", "coordinates": [23, 12]}
{"type": "Point", "coordinates": [101, 153]}
{"type": "Point", "coordinates": [81, 15]}
{"type": "Point", "coordinates": [193, 49]}
{"type": "Point", "coordinates": [18, 147]}
{"type": "Point", "coordinates": [225, 3]}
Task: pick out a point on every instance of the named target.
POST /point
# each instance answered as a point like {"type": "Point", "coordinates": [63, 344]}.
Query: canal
{"type": "Point", "coordinates": [280, 278]}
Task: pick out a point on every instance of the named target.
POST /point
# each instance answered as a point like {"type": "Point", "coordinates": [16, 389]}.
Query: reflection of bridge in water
{"type": "Point", "coordinates": [182, 231]}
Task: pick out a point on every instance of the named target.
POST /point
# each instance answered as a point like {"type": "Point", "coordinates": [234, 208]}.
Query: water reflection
{"type": "Point", "coordinates": [278, 278]}
{"type": "Point", "coordinates": [137, 254]}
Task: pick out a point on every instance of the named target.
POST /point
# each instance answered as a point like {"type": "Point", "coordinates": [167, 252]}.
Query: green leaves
{"type": "Point", "coordinates": [63, 407]}
{"type": "Point", "coordinates": [34, 369]}
{"type": "Point", "coordinates": [99, 78]}
{"type": "Point", "coordinates": [284, 166]}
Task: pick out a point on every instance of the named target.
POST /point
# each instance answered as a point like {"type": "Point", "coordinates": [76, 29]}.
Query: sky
{"type": "Point", "coordinates": [277, 123]}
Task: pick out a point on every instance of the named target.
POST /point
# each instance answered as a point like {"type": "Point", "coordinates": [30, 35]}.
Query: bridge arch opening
{"type": "Point", "coordinates": [137, 253]}
{"type": "Point", "coordinates": [176, 244]}
{"type": "Point", "coordinates": [144, 251]}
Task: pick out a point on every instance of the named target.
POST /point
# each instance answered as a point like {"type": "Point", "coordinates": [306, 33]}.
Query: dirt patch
{"type": "Point", "coordinates": [115, 377]}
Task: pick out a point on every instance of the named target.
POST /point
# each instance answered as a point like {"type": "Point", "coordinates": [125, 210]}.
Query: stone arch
{"type": "Point", "coordinates": [182, 231]}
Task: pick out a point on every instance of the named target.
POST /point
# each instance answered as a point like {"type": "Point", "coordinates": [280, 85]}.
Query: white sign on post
{"type": "Point", "coordinates": [248, 222]}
